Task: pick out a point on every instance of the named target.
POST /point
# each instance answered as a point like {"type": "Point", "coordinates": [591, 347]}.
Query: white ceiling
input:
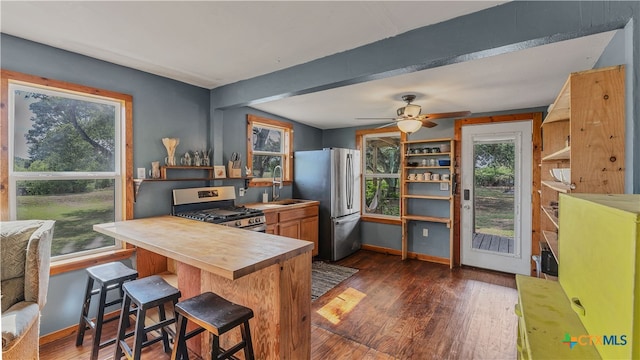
{"type": "Point", "coordinates": [213, 43]}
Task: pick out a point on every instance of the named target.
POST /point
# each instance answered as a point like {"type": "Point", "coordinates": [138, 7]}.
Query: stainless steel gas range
{"type": "Point", "coordinates": [216, 205]}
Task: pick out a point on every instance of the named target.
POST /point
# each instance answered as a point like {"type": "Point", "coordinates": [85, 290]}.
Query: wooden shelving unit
{"type": "Point", "coordinates": [562, 154]}
{"type": "Point", "coordinates": [423, 193]}
{"type": "Point", "coordinates": [557, 186]}
{"type": "Point", "coordinates": [583, 132]}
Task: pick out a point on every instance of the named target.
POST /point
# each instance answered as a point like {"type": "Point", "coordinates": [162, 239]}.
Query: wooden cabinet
{"type": "Point", "coordinates": [299, 222]}
{"type": "Point", "coordinates": [290, 229]}
{"type": "Point", "coordinates": [427, 185]}
{"type": "Point", "coordinates": [583, 135]}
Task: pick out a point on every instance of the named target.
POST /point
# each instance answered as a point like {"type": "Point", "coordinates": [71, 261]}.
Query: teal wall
{"type": "Point", "coordinates": [164, 107]}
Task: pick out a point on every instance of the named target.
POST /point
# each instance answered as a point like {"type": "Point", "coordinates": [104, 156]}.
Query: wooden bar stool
{"type": "Point", "coordinates": [109, 277]}
{"type": "Point", "coordinates": [217, 316]}
{"type": "Point", "coordinates": [146, 293]}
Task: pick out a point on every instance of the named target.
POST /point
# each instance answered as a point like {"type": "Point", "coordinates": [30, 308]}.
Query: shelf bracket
{"type": "Point", "coordinates": [247, 180]}
{"type": "Point", "coordinates": [136, 188]}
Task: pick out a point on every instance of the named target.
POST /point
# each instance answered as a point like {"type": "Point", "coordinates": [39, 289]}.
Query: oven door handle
{"type": "Point", "coordinates": [259, 228]}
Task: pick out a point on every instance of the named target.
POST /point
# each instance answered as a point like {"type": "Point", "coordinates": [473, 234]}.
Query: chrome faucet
{"type": "Point", "coordinates": [276, 181]}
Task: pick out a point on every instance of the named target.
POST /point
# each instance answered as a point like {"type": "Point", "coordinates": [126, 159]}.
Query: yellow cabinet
{"type": "Point", "coordinates": [596, 303]}
{"type": "Point", "coordinates": [600, 268]}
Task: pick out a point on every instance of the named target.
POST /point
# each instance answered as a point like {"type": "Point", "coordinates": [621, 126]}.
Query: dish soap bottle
{"type": "Point", "coordinates": [265, 197]}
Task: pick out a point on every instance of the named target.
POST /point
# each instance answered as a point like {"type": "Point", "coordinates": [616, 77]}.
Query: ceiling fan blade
{"type": "Point", "coordinates": [446, 115]}
{"type": "Point", "coordinates": [428, 124]}
{"type": "Point", "coordinates": [386, 125]}
{"type": "Point", "coordinates": [385, 118]}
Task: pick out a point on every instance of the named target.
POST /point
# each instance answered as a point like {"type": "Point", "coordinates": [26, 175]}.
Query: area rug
{"type": "Point", "coordinates": [325, 277]}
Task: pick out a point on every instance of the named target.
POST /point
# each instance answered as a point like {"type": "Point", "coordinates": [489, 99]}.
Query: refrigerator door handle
{"type": "Point", "coordinates": [349, 181]}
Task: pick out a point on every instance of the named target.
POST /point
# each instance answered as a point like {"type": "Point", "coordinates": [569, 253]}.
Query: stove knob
{"type": "Point", "coordinates": [257, 220]}
{"type": "Point", "coordinates": [238, 223]}
{"type": "Point", "coordinates": [250, 221]}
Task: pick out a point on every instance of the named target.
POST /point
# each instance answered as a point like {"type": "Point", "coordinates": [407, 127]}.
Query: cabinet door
{"type": "Point", "coordinates": [309, 232]}
{"type": "Point", "coordinates": [290, 229]}
{"type": "Point", "coordinates": [272, 229]}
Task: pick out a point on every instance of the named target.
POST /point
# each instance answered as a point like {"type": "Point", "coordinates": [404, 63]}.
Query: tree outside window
{"type": "Point", "coordinates": [269, 145]}
{"type": "Point", "coordinates": [381, 185]}
{"type": "Point", "coordinates": [65, 163]}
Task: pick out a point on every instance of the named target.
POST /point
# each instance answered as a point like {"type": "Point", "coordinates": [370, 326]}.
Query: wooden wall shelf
{"type": "Point", "coordinates": [415, 191]}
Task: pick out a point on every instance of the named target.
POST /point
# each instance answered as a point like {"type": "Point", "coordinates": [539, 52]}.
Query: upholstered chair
{"type": "Point", "coordinates": [25, 252]}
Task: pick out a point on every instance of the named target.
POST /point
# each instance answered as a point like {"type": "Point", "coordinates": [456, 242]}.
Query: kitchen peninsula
{"type": "Point", "coordinates": [268, 273]}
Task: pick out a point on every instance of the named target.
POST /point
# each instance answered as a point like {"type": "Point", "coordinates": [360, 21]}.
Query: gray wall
{"type": "Point", "coordinates": [235, 132]}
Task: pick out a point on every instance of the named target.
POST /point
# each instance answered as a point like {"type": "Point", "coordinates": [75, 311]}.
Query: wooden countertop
{"type": "Point", "coordinates": [221, 250]}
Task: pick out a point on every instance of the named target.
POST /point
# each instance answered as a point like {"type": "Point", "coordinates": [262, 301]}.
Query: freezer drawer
{"type": "Point", "coordinates": [345, 233]}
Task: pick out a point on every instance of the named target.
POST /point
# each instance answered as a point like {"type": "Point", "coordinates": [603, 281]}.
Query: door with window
{"type": "Point", "coordinates": [496, 196]}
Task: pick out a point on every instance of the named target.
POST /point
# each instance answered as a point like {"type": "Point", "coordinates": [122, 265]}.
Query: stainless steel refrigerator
{"type": "Point", "coordinates": [332, 176]}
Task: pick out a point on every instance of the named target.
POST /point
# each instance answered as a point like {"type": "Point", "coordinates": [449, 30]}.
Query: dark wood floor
{"type": "Point", "coordinates": [495, 243]}
{"type": "Point", "coordinates": [393, 309]}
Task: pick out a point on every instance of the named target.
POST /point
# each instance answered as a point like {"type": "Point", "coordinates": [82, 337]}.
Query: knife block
{"type": "Point", "coordinates": [233, 172]}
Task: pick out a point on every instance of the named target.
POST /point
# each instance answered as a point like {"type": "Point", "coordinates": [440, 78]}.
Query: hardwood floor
{"type": "Point", "coordinates": [394, 309]}
{"type": "Point", "coordinates": [418, 310]}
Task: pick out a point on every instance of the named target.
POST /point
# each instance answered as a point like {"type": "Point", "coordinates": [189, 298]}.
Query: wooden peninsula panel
{"type": "Point", "coordinates": [268, 273]}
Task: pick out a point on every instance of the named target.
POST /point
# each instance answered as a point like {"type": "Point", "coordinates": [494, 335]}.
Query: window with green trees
{"type": "Point", "coordinates": [66, 161]}
{"type": "Point", "coordinates": [381, 174]}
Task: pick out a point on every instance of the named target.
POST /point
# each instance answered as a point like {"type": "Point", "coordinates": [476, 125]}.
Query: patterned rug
{"type": "Point", "coordinates": [325, 277]}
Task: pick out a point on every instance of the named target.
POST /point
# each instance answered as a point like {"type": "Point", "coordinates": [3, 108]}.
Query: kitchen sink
{"type": "Point", "coordinates": [270, 205]}
{"type": "Point", "coordinates": [290, 201]}
{"type": "Point", "coordinates": [282, 203]}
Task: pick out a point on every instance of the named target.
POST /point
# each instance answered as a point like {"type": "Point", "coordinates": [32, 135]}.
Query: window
{"type": "Point", "coordinates": [381, 174]}
{"type": "Point", "coordinates": [66, 160]}
{"type": "Point", "coordinates": [269, 145]}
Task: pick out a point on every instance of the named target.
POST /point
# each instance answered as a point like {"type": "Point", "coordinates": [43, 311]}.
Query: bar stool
{"type": "Point", "coordinates": [217, 316]}
{"type": "Point", "coordinates": [109, 277]}
{"type": "Point", "coordinates": [145, 294]}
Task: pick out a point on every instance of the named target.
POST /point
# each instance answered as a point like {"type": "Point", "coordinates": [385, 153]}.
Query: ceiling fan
{"type": "Point", "coordinates": [410, 120]}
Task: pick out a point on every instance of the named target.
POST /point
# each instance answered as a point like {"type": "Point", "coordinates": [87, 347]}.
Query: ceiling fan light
{"type": "Point", "coordinates": [409, 125]}
{"type": "Point", "coordinates": [411, 111]}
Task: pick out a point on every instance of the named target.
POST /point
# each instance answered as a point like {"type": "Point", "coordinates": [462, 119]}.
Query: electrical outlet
{"type": "Point", "coordinates": [444, 186]}
{"type": "Point", "coordinates": [425, 232]}
{"type": "Point", "coordinates": [241, 191]}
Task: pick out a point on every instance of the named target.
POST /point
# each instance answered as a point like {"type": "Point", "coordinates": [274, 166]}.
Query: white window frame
{"type": "Point", "coordinates": [116, 175]}
{"type": "Point", "coordinates": [366, 176]}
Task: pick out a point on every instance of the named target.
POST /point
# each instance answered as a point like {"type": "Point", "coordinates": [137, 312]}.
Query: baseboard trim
{"type": "Point", "coordinates": [62, 333]}
{"type": "Point", "coordinates": [410, 255]}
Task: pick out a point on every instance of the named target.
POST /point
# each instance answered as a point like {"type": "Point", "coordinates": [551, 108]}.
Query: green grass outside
{"type": "Point", "coordinates": [75, 215]}
{"type": "Point", "coordinates": [494, 211]}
